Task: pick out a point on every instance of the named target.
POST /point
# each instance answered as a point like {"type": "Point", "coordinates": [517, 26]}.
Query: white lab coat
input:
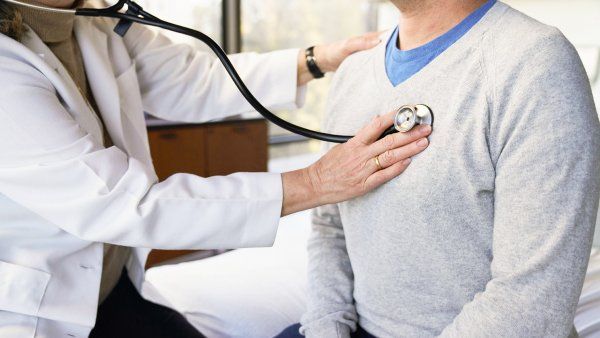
{"type": "Point", "coordinates": [62, 194]}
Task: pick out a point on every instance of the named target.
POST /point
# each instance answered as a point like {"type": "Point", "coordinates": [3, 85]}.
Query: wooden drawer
{"type": "Point", "coordinates": [238, 147]}
{"type": "Point", "coordinates": [207, 150]}
{"type": "Point", "coordinates": [178, 150]}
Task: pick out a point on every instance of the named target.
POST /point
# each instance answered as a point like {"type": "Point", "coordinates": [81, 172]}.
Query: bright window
{"type": "Point", "coordinates": [202, 15]}
{"type": "Point", "coordinates": [275, 24]}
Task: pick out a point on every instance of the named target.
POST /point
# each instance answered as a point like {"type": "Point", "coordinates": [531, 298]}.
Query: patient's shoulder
{"type": "Point", "coordinates": [350, 104]}
{"type": "Point", "coordinates": [355, 69]}
{"type": "Point", "coordinates": [523, 55]}
{"type": "Point", "coordinates": [518, 40]}
{"type": "Point", "coordinates": [356, 62]}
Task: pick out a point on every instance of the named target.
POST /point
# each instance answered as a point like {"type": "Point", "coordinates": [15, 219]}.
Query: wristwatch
{"type": "Point", "coordinates": [311, 62]}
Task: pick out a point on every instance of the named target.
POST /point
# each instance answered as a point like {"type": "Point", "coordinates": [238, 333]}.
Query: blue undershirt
{"type": "Point", "coordinates": [402, 64]}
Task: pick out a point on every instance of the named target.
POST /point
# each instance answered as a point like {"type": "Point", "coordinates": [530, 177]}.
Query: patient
{"type": "Point", "coordinates": [488, 232]}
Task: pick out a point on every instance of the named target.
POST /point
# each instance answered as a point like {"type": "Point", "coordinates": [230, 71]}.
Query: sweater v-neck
{"type": "Point", "coordinates": [435, 67]}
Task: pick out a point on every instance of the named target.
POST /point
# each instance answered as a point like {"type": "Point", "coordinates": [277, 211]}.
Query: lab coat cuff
{"type": "Point", "coordinates": [264, 211]}
{"type": "Point", "coordinates": [284, 67]}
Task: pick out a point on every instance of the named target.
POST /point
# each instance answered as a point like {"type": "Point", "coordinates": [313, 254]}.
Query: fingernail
{"type": "Point", "coordinates": [426, 128]}
{"type": "Point", "coordinates": [422, 142]}
{"type": "Point", "coordinates": [375, 41]}
{"type": "Point", "coordinates": [407, 161]}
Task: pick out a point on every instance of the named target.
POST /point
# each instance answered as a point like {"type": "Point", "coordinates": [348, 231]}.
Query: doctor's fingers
{"type": "Point", "coordinates": [372, 131]}
{"type": "Point", "coordinates": [391, 157]}
{"type": "Point", "coordinates": [383, 176]}
{"type": "Point", "coordinates": [365, 41]}
{"type": "Point", "coordinates": [399, 140]}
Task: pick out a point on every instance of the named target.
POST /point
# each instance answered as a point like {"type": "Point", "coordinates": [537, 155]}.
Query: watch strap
{"type": "Point", "coordinates": [311, 62]}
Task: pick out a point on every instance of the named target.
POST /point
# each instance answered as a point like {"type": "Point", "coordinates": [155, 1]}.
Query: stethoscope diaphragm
{"type": "Point", "coordinates": [409, 116]}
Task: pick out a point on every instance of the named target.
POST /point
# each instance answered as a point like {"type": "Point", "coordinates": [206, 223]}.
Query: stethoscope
{"type": "Point", "coordinates": [407, 116]}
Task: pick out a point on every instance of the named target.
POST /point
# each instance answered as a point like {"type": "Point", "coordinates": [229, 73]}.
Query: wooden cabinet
{"type": "Point", "coordinates": [178, 150]}
{"type": "Point", "coordinates": [207, 150]}
{"type": "Point", "coordinates": [236, 147]}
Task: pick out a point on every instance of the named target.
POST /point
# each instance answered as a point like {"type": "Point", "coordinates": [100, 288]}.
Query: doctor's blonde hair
{"type": "Point", "coordinates": [11, 22]}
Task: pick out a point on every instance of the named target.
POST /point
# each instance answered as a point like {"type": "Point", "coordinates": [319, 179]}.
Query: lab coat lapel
{"type": "Point", "coordinates": [99, 71]}
{"type": "Point", "coordinates": [66, 88]}
{"type": "Point", "coordinates": [118, 97]}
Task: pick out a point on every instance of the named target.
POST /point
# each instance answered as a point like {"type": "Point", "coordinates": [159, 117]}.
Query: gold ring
{"type": "Point", "coordinates": [379, 167]}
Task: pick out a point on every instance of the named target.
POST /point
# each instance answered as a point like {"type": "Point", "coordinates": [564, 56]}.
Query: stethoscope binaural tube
{"type": "Point", "coordinates": [135, 13]}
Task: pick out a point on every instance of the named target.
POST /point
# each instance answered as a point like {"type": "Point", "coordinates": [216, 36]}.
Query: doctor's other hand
{"type": "Point", "coordinates": [354, 168]}
{"type": "Point", "coordinates": [329, 57]}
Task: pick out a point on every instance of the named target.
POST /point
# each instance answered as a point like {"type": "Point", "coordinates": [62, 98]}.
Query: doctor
{"type": "Point", "coordinates": [77, 185]}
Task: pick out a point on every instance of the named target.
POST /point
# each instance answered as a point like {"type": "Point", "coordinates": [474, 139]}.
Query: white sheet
{"type": "Point", "coordinates": [247, 293]}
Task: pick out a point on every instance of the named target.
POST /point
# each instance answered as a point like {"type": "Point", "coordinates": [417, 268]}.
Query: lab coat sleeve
{"type": "Point", "coordinates": [544, 140]}
{"type": "Point", "coordinates": [179, 82]}
{"type": "Point", "coordinates": [331, 311]}
{"type": "Point", "coordinates": [49, 165]}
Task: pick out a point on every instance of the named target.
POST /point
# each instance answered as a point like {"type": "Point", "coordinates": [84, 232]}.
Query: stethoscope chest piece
{"type": "Point", "coordinates": [409, 116]}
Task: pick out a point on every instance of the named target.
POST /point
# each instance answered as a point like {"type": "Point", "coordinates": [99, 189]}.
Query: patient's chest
{"type": "Point", "coordinates": [425, 236]}
{"type": "Point", "coordinates": [443, 201]}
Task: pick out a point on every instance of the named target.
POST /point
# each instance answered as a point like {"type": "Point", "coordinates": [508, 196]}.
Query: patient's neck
{"type": "Point", "coordinates": [424, 20]}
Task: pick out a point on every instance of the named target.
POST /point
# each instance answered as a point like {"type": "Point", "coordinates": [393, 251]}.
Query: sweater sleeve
{"type": "Point", "coordinates": [544, 139]}
{"type": "Point", "coordinates": [331, 311]}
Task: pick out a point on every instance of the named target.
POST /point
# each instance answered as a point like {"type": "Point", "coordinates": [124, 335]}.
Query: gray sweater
{"type": "Point", "coordinates": [488, 232]}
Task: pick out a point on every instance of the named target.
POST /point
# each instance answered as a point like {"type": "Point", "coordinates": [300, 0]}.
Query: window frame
{"type": "Point", "coordinates": [231, 29]}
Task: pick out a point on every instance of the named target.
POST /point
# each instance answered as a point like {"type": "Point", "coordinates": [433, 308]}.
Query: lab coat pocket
{"type": "Point", "coordinates": [21, 288]}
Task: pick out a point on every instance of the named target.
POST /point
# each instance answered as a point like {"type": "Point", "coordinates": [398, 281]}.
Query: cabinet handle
{"type": "Point", "coordinates": [168, 136]}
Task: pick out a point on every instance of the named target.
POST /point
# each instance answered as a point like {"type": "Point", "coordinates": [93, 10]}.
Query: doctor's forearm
{"type": "Point", "coordinates": [329, 57]}
{"type": "Point", "coordinates": [304, 75]}
{"type": "Point", "coordinates": [326, 66]}
{"type": "Point", "coordinates": [298, 192]}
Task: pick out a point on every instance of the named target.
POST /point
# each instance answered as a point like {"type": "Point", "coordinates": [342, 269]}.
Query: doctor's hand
{"type": "Point", "coordinates": [330, 56]}
{"type": "Point", "coordinates": [354, 168]}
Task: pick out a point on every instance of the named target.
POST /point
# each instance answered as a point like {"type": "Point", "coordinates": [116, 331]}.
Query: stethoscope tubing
{"type": "Point", "coordinates": [135, 13]}
{"type": "Point", "coordinates": [150, 20]}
